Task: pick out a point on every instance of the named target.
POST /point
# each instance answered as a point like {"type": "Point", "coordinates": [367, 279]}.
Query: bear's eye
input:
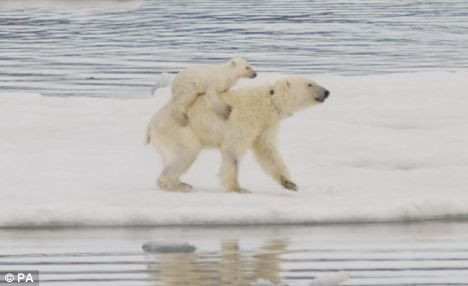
{"type": "Point", "coordinates": [247, 68]}
{"type": "Point", "coordinates": [309, 85]}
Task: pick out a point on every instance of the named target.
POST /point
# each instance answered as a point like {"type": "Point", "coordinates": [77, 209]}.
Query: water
{"type": "Point", "coordinates": [108, 52]}
{"type": "Point", "coordinates": [119, 53]}
{"type": "Point", "coordinates": [398, 254]}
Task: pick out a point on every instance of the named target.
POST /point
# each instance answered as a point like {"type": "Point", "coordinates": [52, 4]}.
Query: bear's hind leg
{"type": "Point", "coordinates": [177, 160]}
{"type": "Point", "coordinates": [180, 115]}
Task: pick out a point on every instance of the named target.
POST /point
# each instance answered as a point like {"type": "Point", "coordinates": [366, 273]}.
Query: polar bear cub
{"type": "Point", "coordinates": [210, 80]}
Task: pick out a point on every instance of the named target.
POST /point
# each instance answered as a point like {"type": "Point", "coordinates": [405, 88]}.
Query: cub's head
{"type": "Point", "coordinates": [241, 68]}
{"type": "Point", "coordinates": [295, 93]}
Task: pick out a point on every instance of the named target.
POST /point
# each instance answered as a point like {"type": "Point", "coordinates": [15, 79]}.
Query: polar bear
{"type": "Point", "coordinates": [253, 124]}
{"type": "Point", "coordinates": [210, 80]}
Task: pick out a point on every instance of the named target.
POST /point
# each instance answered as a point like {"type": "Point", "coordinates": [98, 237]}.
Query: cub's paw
{"type": "Point", "coordinates": [227, 112]}
{"type": "Point", "coordinates": [287, 184]}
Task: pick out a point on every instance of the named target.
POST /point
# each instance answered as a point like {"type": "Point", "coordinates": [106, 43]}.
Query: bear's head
{"type": "Point", "coordinates": [241, 68]}
{"type": "Point", "coordinates": [295, 93]}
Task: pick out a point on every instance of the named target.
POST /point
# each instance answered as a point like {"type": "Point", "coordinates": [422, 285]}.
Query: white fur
{"type": "Point", "coordinates": [253, 124]}
{"type": "Point", "coordinates": [210, 80]}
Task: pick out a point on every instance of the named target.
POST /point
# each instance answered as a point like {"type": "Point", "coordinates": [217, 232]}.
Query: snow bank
{"type": "Point", "coordinates": [163, 80]}
{"type": "Point", "coordinates": [382, 148]}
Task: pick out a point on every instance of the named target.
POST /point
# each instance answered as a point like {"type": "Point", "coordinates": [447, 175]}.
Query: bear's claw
{"type": "Point", "coordinates": [287, 184]}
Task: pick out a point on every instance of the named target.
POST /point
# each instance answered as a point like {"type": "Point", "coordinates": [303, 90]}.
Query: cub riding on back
{"type": "Point", "coordinates": [210, 80]}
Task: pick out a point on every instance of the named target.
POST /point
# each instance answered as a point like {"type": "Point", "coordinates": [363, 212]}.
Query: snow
{"type": "Point", "coordinates": [382, 148]}
{"type": "Point", "coordinates": [163, 80]}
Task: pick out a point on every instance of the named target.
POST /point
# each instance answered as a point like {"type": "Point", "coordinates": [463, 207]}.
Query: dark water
{"type": "Point", "coordinates": [399, 254]}
{"type": "Point", "coordinates": [119, 53]}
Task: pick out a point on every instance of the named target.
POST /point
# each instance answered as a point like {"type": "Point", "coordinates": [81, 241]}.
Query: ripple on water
{"type": "Point", "coordinates": [72, 52]}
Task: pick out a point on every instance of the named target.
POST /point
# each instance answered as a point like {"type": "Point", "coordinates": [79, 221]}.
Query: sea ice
{"type": "Point", "coordinates": [382, 148]}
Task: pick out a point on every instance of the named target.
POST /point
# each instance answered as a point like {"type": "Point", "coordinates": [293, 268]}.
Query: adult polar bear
{"type": "Point", "coordinates": [253, 123]}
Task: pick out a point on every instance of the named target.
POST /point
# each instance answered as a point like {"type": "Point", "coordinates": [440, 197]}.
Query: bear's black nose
{"type": "Point", "coordinates": [327, 93]}
{"type": "Point", "coordinates": [254, 75]}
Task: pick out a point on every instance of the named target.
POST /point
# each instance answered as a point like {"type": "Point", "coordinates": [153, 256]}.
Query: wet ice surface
{"type": "Point", "coordinates": [398, 254]}
{"type": "Point", "coordinates": [118, 47]}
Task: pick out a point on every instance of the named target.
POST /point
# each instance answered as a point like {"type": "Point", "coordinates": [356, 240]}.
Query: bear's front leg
{"type": "Point", "coordinates": [267, 155]}
{"type": "Point", "coordinates": [229, 173]}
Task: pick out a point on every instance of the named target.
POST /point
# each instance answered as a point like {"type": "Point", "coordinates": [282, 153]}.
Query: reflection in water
{"type": "Point", "coordinates": [179, 269]}
{"type": "Point", "coordinates": [231, 263]}
{"type": "Point", "coordinates": [267, 262]}
{"type": "Point", "coordinates": [231, 267]}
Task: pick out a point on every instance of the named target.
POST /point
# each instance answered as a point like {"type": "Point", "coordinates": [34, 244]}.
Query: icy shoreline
{"type": "Point", "coordinates": [384, 148]}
